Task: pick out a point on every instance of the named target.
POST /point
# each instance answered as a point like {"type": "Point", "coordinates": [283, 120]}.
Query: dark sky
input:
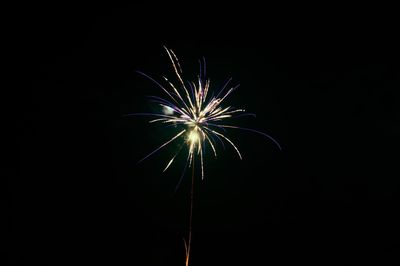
{"type": "Point", "coordinates": [327, 92]}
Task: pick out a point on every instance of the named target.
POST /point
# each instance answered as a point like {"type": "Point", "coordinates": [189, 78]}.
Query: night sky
{"type": "Point", "coordinates": [327, 93]}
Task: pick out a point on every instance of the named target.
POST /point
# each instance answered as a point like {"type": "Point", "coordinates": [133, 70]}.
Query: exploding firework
{"type": "Point", "coordinates": [200, 116]}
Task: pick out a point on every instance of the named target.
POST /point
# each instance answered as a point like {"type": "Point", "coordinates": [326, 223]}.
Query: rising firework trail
{"type": "Point", "coordinates": [200, 116]}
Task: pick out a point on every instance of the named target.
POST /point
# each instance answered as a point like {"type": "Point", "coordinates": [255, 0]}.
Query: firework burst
{"type": "Point", "coordinates": [199, 112]}
{"type": "Point", "coordinates": [200, 115]}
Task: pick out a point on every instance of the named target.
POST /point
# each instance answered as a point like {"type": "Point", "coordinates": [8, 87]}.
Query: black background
{"type": "Point", "coordinates": [326, 89]}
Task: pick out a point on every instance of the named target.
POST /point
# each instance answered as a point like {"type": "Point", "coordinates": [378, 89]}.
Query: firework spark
{"type": "Point", "coordinates": [200, 115]}
{"type": "Point", "coordinates": [191, 105]}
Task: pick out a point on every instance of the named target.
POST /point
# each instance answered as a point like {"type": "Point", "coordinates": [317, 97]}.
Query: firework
{"type": "Point", "coordinates": [200, 114]}
{"type": "Point", "coordinates": [200, 117]}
